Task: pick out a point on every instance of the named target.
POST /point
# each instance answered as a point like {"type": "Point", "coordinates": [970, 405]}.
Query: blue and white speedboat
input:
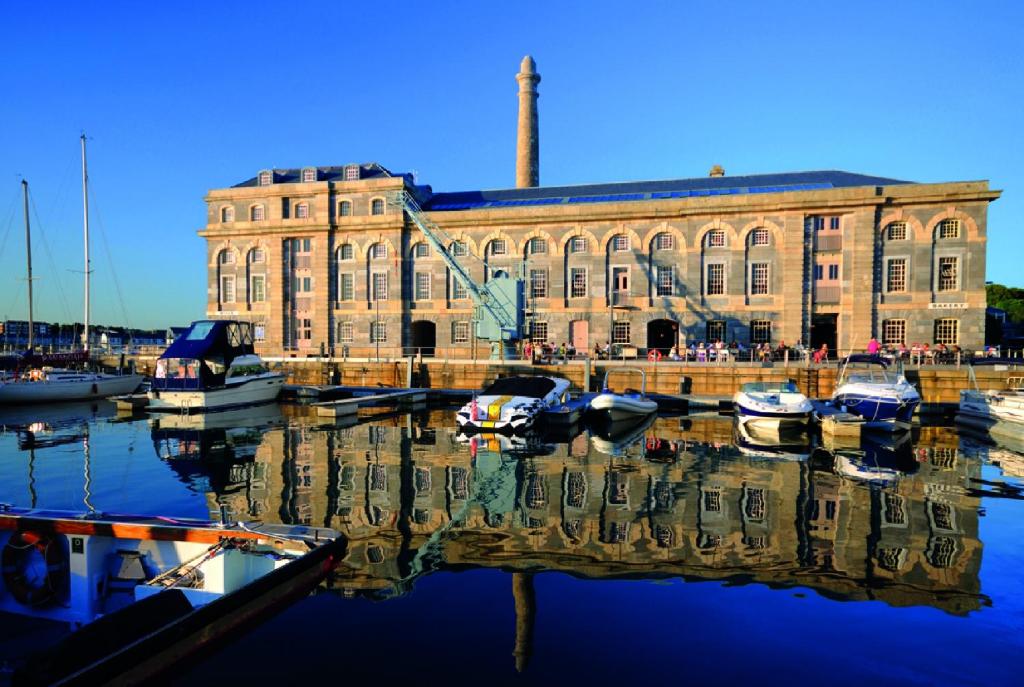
{"type": "Point", "coordinates": [868, 388]}
{"type": "Point", "coordinates": [771, 404]}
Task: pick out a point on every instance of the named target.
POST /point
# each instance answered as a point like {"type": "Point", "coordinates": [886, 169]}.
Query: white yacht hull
{"type": "Point", "coordinates": [999, 406]}
{"type": "Point", "coordinates": [250, 392]}
{"type": "Point", "coordinates": [772, 410]}
{"type": "Point", "coordinates": [87, 386]}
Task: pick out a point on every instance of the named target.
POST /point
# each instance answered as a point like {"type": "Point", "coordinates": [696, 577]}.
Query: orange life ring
{"type": "Point", "coordinates": [15, 557]}
{"type": "Point", "coordinates": [654, 355]}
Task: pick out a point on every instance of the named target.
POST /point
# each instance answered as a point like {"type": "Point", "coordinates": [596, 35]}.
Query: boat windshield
{"type": "Point", "coordinates": [246, 370]}
{"type": "Point", "coordinates": [770, 388]}
{"type": "Point", "coordinates": [199, 331]}
{"type": "Point", "coordinates": [532, 387]}
{"type": "Point", "coordinates": [870, 376]}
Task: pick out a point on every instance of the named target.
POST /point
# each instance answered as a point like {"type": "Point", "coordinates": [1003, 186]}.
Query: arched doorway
{"type": "Point", "coordinates": [662, 335]}
{"type": "Point", "coordinates": [423, 337]}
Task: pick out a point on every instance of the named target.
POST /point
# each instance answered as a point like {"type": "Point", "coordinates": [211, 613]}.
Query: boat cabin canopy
{"type": "Point", "coordinates": [204, 352]}
{"type": "Point", "coordinates": [531, 387]}
{"type": "Point", "coordinates": [769, 388]}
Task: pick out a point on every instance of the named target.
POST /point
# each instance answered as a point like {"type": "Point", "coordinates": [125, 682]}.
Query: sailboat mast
{"type": "Point", "coordinates": [85, 223]}
{"type": "Point", "coordinates": [28, 256]}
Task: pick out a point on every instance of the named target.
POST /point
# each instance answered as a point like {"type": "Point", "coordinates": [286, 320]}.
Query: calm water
{"type": "Point", "coordinates": [676, 556]}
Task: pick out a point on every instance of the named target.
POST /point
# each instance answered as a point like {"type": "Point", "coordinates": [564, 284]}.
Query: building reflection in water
{"type": "Point", "coordinates": [882, 521]}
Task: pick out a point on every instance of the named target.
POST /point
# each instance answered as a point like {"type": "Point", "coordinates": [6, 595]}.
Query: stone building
{"type": "Point", "coordinates": [319, 259]}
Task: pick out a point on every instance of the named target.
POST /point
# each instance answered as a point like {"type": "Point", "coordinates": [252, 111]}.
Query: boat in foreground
{"type": "Point", "coordinates": [213, 364]}
{"type": "Point", "coordinates": [511, 404]}
{"type": "Point", "coordinates": [143, 592]}
{"type": "Point", "coordinates": [631, 403]}
{"type": "Point", "coordinates": [771, 404]}
{"type": "Point", "coordinates": [985, 408]}
{"type": "Point", "coordinates": [867, 388]}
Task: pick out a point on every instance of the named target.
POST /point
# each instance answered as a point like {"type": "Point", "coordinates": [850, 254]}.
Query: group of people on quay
{"type": "Point", "coordinates": [718, 351]}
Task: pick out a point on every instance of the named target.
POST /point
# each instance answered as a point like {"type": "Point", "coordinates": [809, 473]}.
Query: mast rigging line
{"type": "Point", "coordinates": [9, 222]}
{"type": "Point", "coordinates": [49, 256]}
{"type": "Point", "coordinates": [110, 259]}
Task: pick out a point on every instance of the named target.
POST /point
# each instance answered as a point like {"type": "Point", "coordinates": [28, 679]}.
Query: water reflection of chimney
{"type": "Point", "coordinates": [526, 610]}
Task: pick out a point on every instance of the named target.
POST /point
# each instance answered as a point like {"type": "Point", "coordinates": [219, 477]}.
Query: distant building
{"type": "Point", "coordinates": [317, 257]}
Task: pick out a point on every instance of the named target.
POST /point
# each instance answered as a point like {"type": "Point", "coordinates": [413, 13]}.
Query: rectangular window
{"type": "Point", "coordinates": [578, 282]}
{"type": "Point", "coordinates": [422, 250]}
{"type": "Point", "coordinates": [352, 173]}
{"type": "Point", "coordinates": [538, 332]}
{"type": "Point", "coordinates": [663, 241]}
{"type": "Point", "coordinates": [422, 286]}
{"type": "Point", "coordinates": [819, 272]}
{"type": "Point", "coordinates": [759, 237]}
{"type": "Point", "coordinates": [304, 329]}
{"type": "Point", "coordinates": [896, 275]}
{"type": "Point", "coordinates": [833, 223]}
{"type": "Point", "coordinates": [833, 272]}
{"type": "Point", "coordinates": [715, 331]}
{"type": "Point", "coordinates": [620, 243]}
{"type": "Point", "coordinates": [378, 332]}
{"type": "Point", "coordinates": [347, 286]}
{"type": "Point", "coordinates": [347, 252]}
{"type": "Point", "coordinates": [227, 289]}
{"type": "Point", "coordinates": [227, 257]}
{"type": "Point", "coordinates": [256, 213]}
{"type": "Point", "coordinates": [346, 332]}
{"type": "Point", "coordinates": [948, 269]}
{"type": "Point", "coordinates": [538, 283]}
{"type": "Point", "coordinates": [894, 332]}
{"type": "Point", "coordinates": [345, 208]}
{"type": "Point", "coordinates": [458, 290]}
{"type": "Point", "coordinates": [760, 331]}
{"type": "Point", "coordinates": [666, 280]}
{"type": "Point", "coordinates": [715, 284]}
{"type": "Point", "coordinates": [949, 229]}
{"type": "Point", "coordinates": [816, 223]}
{"type": "Point", "coordinates": [460, 332]}
{"type": "Point", "coordinates": [377, 206]}
{"type": "Point", "coordinates": [257, 288]}
{"type": "Point", "coordinates": [897, 231]}
{"type": "Point", "coordinates": [257, 256]}
{"type": "Point", "coordinates": [499, 247]}
{"type": "Point", "coordinates": [379, 291]}
{"type": "Point", "coordinates": [759, 279]}
{"type": "Point", "coordinates": [259, 332]}
{"type": "Point", "coordinates": [621, 333]}
{"type": "Point", "coordinates": [302, 211]}
{"type": "Point", "coordinates": [578, 244]}
{"type": "Point", "coordinates": [947, 331]}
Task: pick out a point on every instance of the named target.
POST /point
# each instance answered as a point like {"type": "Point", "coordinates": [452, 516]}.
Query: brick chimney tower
{"type": "Point", "coordinates": [527, 134]}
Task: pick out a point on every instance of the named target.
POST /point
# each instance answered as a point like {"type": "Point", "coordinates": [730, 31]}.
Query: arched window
{"type": "Point", "coordinates": [421, 250]}
{"type": "Point", "coordinates": [226, 257]}
{"type": "Point", "coordinates": [256, 256]}
{"type": "Point", "coordinates": [664, 241]}
{"type": "Point", "coordinates": [716, 238]}
{"type": "Point", "coordinates": [378, 251]}
{"type": "Point", "coordinates": [896, 231]}
{"type": "Point", "coordinates": [459, 249]}
{"type": "Point", "coordinates": [948, 229]}
{"type": "Point", "coordinates": [578, 244]}
{"type": "Point", "coordinates": [302, 211]}
{"type": "Point", "coordinates": [345, 208]}
{"type": "Point", "coordinates": [377, 206]}
{"type": "Point", "coordinates": [266, 178]}
{"type": "Point", "coordinates": [497, 247]}
{"type": "Point", "coordinates": [620, 243]}
{"type": "Point", "coordinates": [346, 252]}
{"type": "Point", "coordinates": [256, 213]}
{"type": "Point", "coordinates": [227, 214]}
{"type": "Point", "coordinates": [537, 246]}
{"type": "Point", "coordinates": [760, 237]}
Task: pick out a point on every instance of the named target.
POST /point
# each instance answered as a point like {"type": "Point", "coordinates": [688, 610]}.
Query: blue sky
{"type": "Point", "coordinates": [183, 97]}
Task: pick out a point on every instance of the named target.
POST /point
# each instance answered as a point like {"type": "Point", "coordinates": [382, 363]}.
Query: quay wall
{"type": "Point", "coordinates": [939, 385]}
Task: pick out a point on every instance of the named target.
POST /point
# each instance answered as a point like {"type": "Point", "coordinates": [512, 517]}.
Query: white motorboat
{"type": "Point", "coordinates": [511, 404]}
{"type": "Point", "coordinates": [985, 408]}
{"type": "Point", "coordinates": [779, 442]}
{"type": "Point", "coordinates": [771, 404]}
{"type": "Point", "coordinates": [212, 365]}
{"type": "Point", "coordinates": [867, 388]}
{"type": "Point", "coordinates": [631, 403]}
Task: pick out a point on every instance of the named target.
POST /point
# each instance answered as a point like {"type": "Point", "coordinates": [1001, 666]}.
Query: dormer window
{"type": "Point", "coordinates": [352, 173]}
{"type": "Point", "coordinates": [302, 211]}
{"type": "Point", "coordinates": [345, 208]}
{"type": "Point", "coordinates": [377, 206]}
{"type": "Point", "coordinates": [308, 175]}
{"type": "Point", "coordinates": [266, 178]}
{"type": "Point", "coordinates": [227, 214]}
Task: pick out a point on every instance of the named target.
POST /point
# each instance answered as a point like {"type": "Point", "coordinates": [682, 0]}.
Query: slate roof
{"type": "Point", "coordinates": [655, 190]}
{"type": "Point", "coordinates": [368, 170]}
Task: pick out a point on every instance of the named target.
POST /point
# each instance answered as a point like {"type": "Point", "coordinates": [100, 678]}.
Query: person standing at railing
{"type": "Point", "coordinates": [528, 351]}
{"type": "Point", "coordinates": [821, 355]}
{"type": "Point", "coordinates": [873, 346]}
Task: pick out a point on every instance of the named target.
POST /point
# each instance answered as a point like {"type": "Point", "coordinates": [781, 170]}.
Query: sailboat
{"type": "Point", "coordinates": [43, 384]}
